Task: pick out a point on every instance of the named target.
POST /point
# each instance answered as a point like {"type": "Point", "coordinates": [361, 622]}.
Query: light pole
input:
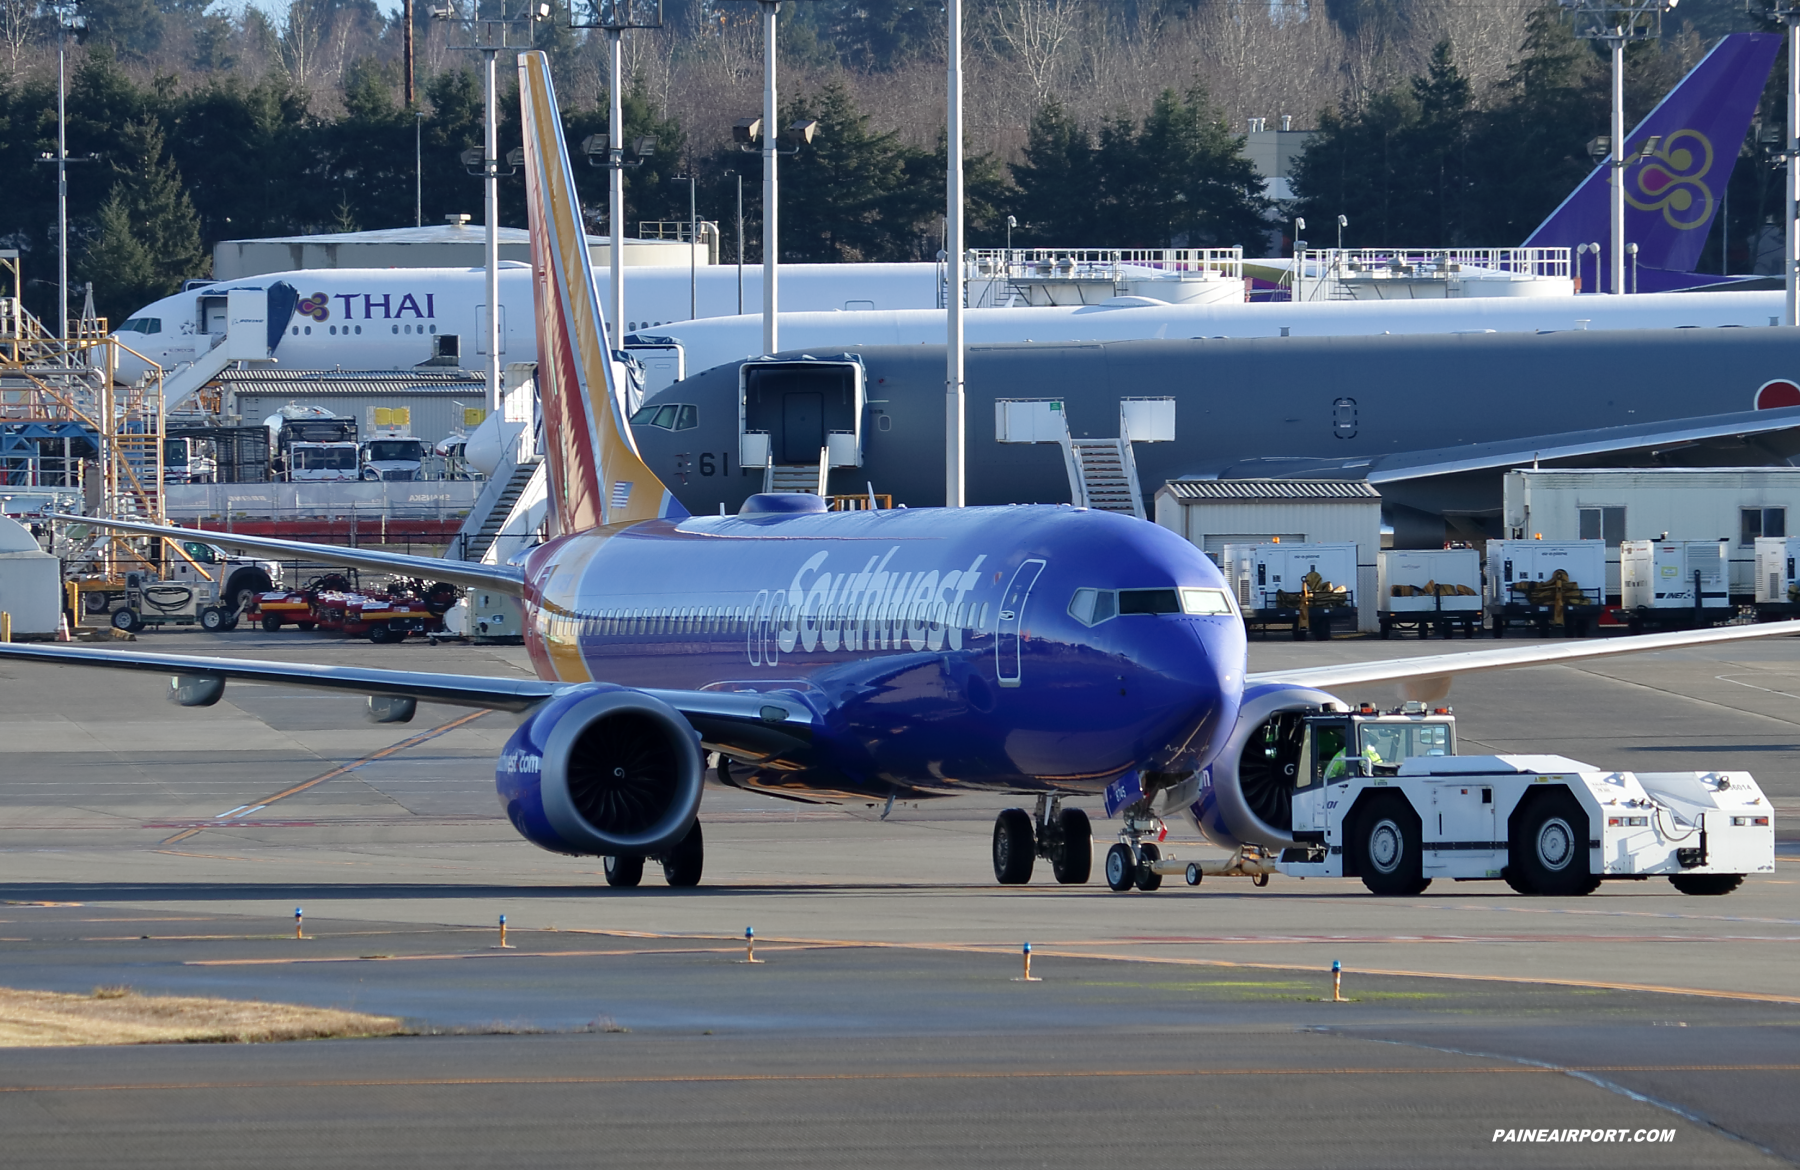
{"type": "Point", "coordinates": [693, 257]}
{"type": "Point", "coordinates": [613, 17]}
{"type": "Point", "coordinates": [1299, 255]}
{"type": "Point", "coordinates": [483, 31]}
{"type": "Point", "coordinates": [955, 450]}
{"type": "Point", "coordinates": [1011, 223]}
{"type": "Point", "coordinates": [1789, 14]}
{"type": "Point", "coordinates": [67, 20]}
{"type": "Point", "coordinates": [418, 168]}
{"type": "Point", "coordinates": [1616, 22]}
{"type": "Point", "coordinates": [771, 192]}
{"type": "Point", "coordinates": [740, 243]}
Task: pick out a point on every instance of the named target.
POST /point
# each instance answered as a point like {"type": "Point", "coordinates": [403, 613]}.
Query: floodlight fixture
{"type": "Point", "coordinates": [746, 131]}
{"type": "Point", "coordinates": [802, 131]}
{"type": "Point", "coordinates": [615, 15]}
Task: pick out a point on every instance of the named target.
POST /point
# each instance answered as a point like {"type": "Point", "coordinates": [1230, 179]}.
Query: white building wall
{"type": "Point", "coordinates": [1211, 524]}
{"type": "Point", "coordinates": [1687, 503]}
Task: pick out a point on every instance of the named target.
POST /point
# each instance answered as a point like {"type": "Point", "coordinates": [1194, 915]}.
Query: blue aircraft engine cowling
{"type": "Point", "coordinates": [602, 771]}
{"type": "Point", "coordinates": [1247, 792]}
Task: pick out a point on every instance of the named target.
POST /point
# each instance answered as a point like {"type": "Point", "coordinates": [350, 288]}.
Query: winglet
{"type": "Point", "coordinates": [597, 476]}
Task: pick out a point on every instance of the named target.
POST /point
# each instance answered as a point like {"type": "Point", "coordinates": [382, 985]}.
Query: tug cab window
{"type": "Point", "coordinates": [1384, 745]}
{"type": "Point", "coordinates": [1326, 761]}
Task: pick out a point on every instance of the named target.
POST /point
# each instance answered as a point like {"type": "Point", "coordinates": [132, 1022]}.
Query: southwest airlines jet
{"type": "Point", "coordinates": [1049, 651]}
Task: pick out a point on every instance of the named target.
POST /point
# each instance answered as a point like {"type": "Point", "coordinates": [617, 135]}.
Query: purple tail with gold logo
{"type": "Point", "coordinates": [596, 476]}
{"type": "Point", "coordinates": [1671, 196]}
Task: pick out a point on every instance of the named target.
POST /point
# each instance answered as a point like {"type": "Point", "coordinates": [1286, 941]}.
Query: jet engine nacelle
{"type": "Point", "coordinates": [602, 771]}
{"type": "Point", "coordinates": [1247, 792]}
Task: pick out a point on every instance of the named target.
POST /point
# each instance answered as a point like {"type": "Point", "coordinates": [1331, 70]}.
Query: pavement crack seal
{"type": "Point", "coordinates": [1587, 1074]}
{"type": "Point", "coordinates": [340, 770]}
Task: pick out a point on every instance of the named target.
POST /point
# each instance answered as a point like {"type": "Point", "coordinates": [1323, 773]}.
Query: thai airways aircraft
{"type": "Point", "coordinates": [398, 318]}
{"type": "Point", "coordinates": [1678, 161]}
{"type": "Point", "coordinates": [1044, 650]}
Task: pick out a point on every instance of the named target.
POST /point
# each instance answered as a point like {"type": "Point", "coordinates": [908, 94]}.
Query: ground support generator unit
{"type": "Point", "coordinates": [1547, 586]}
{"type": "Point", "coordinates": [1381, 798]}
{"type": "Point", "coordinates": [1306, 588]}
{"type": "Point", "coordinates": [1430, 590]}
{"type": "Point", "coordinates": [1777, 587]}
{"type": "Point", "coordinates": [1674, 584]}
{"type": "Point", "coordinates": [149, 602]}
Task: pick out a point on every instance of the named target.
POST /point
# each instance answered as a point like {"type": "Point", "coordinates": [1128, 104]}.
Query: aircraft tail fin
{"type": "Point", "coordinates": [1671, 196]}
{"type": "Point", "coordinates": [597, 476]}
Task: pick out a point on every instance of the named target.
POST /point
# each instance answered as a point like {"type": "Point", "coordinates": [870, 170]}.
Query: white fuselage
{"type": "Point", "coordinates": [711, 343]}
{"type": "Point", "coordinates": [397, 318]}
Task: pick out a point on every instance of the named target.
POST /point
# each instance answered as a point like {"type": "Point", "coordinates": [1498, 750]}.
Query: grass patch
{"type": "Point", "coordinates": [118, 1015]}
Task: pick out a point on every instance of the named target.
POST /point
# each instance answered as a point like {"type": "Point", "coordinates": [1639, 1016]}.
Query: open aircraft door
{"type": "Point", "coordinates": [790, 411]}
{"type": "Point", "coordinates": [1012, 616]}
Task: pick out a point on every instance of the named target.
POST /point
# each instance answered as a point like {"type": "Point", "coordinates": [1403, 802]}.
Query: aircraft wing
{"type": "Point", "coordinates": [468, 574]}
{"type": "Point", "coordinates": [753, 723]}
{"type": "Point", "coordinates": [1773, 433]}
{"type": "Point", "coordinates": [1429, 676]}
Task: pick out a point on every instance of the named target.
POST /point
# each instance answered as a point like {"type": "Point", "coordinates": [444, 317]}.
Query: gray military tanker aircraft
{"type": "Point", "coordinates": [1432, 421]}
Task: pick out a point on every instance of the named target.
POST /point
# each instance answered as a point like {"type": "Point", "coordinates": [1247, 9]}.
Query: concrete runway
{"type": "Point", "coordinates": [885, 1028]}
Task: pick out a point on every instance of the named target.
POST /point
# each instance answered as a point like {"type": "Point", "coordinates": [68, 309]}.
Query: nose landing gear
{"type": "Point", "coordinates": [1061, 835]}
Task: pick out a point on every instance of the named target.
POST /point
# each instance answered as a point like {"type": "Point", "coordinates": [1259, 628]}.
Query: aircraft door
{"type": "Point", "coordinates": [1012, 615]}
{"type": "Point", "coordinates": [802, 427]}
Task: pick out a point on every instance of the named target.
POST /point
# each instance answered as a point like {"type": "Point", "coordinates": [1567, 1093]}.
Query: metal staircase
{"type": "Point", "coordinates": [493, 507]}
{"type": "Point", "coordinates": [1108, 475]}
{"type": "Point", "coordinates": [802, 478]}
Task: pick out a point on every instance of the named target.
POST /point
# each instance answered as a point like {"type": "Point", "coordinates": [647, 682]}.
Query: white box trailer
{"type": "Point", "coordinates": [1522, 586]}
{"type": "Point", "coordinates": [1426, 589]}
{"type": "Point", "coordinates": [1673, 582]}
{"type": "Point", "coordinates": [1736, 504]}
{"type": "Point", "coordinates": [1275, 583]}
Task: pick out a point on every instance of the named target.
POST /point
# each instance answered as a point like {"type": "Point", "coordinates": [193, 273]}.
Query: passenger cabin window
{"type": "Point", "coordinates": [1606, 524]}
{"type": "Point", "coordinates": [670, 416]}
{"type": "Point", "coordinates": [1757, 522]}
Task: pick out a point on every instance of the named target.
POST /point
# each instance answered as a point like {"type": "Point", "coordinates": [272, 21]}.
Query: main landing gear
{"type": "Point", "coordinates": [681, 865]}
{"type": "Point", "coordinates": [1063, 835]}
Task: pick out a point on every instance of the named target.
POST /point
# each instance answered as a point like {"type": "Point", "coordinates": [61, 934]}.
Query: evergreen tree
{"type": "Point", "coordinates": [148, 238]}
{"type": "Point", "coordinates": [848, 188]}
{"type": "Point", "coordinates": [1398, 167]}
{"type": "Point", "coordinates": [1059, 193]}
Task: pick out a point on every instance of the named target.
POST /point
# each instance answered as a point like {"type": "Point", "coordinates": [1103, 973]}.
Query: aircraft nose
{"type": "Point", "coordinates": [1212, 669]}
{"type": "Point", "coordinates": [130, 367]}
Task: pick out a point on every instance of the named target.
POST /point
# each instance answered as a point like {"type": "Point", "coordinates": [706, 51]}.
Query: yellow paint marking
{"type": "Point", "coordinates": [1017, 1074]}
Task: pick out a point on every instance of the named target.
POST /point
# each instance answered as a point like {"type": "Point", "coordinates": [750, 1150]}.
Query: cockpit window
{"type": "Point", "coordinates": [1090, 607]}
{"type": "Point", "coordinates": [670, 416]}
{"type": "Point", "coordinates": [1148, 601]}
{"type": "Point", "coordinates": [1206, 602]}
{"type": "Point", "coordinates": [142, 325]}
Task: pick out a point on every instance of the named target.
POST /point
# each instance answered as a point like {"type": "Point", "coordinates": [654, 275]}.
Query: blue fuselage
{"type": "Point", "coordinates": [937, 647]}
